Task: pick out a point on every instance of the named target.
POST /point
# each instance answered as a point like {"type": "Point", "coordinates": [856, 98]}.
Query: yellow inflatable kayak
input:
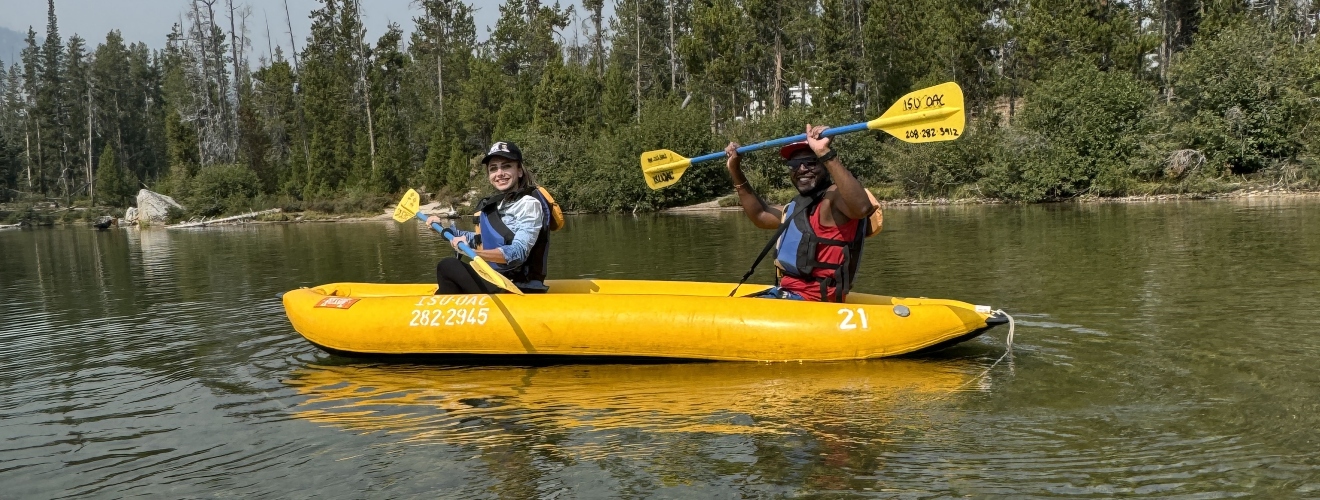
{"type": "Point", "coordinates": [610, 318]}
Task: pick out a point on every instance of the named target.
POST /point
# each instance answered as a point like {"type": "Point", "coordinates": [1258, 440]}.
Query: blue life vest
{"type": "Point", "coordinates": [495, 234]}
{"type": "Point", "coordinates": [795, 253]}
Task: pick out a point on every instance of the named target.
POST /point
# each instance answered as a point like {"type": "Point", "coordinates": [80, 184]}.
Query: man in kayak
{"type": "Point", "coordinates": [819, 235]}
{"type": "Point", "coordinates": [513, 232]}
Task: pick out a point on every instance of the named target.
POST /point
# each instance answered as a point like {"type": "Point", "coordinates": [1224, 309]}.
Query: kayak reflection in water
{"type": "Point", "coordinates": [513, 229]}
{"type": "Point", "coordinates": [488, 405]}
{"type": "Point", "coordinates": [820, 233]}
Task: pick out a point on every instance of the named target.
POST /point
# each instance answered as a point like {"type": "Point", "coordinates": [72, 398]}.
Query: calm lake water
{"type": "Point", "coordinates": [1162, 350]}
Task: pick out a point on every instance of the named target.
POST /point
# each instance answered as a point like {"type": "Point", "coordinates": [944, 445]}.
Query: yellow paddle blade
{"type": "Point", "coordinates": [407, 207]}
{"type": "Point", "coordinates": [927, 115]}
{"type": "Point", "coordinates": [663, 167]}
{"type": "Point", "coordinates": [489, 274]}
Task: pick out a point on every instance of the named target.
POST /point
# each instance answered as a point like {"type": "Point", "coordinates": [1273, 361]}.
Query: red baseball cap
{"type": "Point", "coordinates": [788, 151]}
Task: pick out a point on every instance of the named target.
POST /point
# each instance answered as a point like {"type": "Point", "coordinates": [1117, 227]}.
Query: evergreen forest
{"type": "Point", "coordinates": [1065, 99]}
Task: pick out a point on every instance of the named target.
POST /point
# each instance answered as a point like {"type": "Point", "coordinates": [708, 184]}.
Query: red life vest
{"type": "Point", "coordinates": [818, 262]}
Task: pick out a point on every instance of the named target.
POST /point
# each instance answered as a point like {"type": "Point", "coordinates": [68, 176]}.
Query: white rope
{"type": "Point", "coordinates": [1007, 352]}
{"type": "Point", "coordinates": [1011, 327]}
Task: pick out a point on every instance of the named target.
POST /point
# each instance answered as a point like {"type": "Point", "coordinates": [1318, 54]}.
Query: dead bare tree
{"type": "Point", "coordinates": [233, 49]}
{"type": "Point", "coordinates": [366, 85]}
{"type": "Point", "coordinates": [270, 48]}
{"type": "Point", "coordinates": [91, 184]}
{"type": "Point", "coordinates": [302, 128]}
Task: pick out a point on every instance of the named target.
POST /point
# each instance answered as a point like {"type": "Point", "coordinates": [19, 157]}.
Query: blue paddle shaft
{"type": "Point", "coordinates": [829, 132]}
{"type": "Point", "coordinates": [449, 236]}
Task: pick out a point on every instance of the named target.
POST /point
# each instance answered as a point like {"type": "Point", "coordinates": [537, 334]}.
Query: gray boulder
{"type": "Point", "coordinates": [154, 207]}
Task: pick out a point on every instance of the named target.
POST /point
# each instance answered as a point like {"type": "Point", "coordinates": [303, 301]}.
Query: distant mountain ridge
{"type": "Point", "coordinates": [11, 45]}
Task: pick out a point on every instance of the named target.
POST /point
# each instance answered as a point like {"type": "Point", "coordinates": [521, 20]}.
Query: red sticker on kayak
{"type": "Point", "coordinates": [337, 302]}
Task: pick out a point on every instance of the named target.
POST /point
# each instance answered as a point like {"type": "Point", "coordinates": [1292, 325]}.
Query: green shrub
{"type": "Point", "coordinates": [886, 191]}
{"type": "Point", "coordinates": [559, 163]}
{"type": "Point", "coordinates": [221, 189]}
{"type": "Point", "coordinates": [1079, 133]}
{"type": "Point", "coordinates": [939, 169]}
{"type": "Point", "coordinates": [602, 172]}
{"type": "Point", "coordinates": [1241, 98]}
{"type": "Point", "coordinates": [1017, 169]}
{"type": "Point", "coordinates": [174, 215]}
{"type": "Point", "coordinates": [354, 200]}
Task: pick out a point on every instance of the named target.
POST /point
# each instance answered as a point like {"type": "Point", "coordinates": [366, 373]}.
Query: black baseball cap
{"type": "Point", "coordinates": [505, 150]}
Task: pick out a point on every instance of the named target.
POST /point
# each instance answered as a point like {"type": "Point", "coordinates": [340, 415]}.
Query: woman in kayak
{"type": "Point", "coordinates": [513, 229]}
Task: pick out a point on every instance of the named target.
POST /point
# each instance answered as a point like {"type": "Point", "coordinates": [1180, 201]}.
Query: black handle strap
{"type": "Point", "coordinates": [768, 245]}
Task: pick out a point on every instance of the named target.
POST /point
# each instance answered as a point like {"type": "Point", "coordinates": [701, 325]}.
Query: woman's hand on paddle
{"type": "Point", "coordinates": [456, 240]}
{"type": "Point", "coordinates": [433, 221]}
{"type": "Point", "coordinates": [819, 145]}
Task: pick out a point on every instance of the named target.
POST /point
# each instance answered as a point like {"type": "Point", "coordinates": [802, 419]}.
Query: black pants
{"type": "Point", "coordinates": [456, 277]}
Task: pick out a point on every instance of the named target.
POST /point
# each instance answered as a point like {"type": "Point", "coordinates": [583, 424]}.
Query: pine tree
{"type": "Point", "coordinates": [328, 77]}
{"type": "Point", "coordinates": [276, 106]}
{"type": "Point", "coordinates": [253, 148]}
{"type": "Point", "coordinates": [565, 99]}
{"type": "Point", "coordinates": [441, 52]}
{"type": "Point", "coordinates": [914, 43]}
{"type": "Point", "coordinates": [782, 51]}
{"type": "Point", "coordinates": [10, 163]}
{"type": "Point", "coordinates": [596, 7]}
{"type": "Point", "coordinates": [114, 182]}
{"type": "Point", "coordinates": [12, 129]}
{"type": "Point", "coordinates": [10, 158]}
{"type": "Point", "coordinates": [618, 105]}
{"type": "Point", "coordinates": [50, 110]}
{"type": "Point", "coordinates": [483, 96]}
{"type": "Point", "coordinates": [389, 65]}
{"type": "Point", "coordinates": [77, 97]}
{"type": "Point", "coordinates": [181, 147]}
{"type": "Point", "coordinates": [633, 48]}
{"type": "Point", "coordinates": [32, 124]}
{"type": "Point", "coordinates": [126, 105]}
{"type": "Point", "coordinates": [716, 53]}
{"type": "Point", "coordinates": [459, 174]}
{"type": "Point", "coordinates": [521, 45]}
{"type": "Point", "coordinates": [1104, 34]}
{"type": "Point", "coordinates": [435, 169]}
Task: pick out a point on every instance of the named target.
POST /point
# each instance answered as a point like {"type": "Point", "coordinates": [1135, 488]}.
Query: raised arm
{"type": "Point", "coordinates": [853, 201]}
{"type": "Point", "coordinates": [756, 209]}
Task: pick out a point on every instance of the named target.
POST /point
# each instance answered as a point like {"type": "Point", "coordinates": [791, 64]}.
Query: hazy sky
{"type": "Point", "coordinates": [150, 20]}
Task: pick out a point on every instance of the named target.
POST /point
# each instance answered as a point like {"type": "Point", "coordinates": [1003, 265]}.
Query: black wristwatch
{"type": "Point", "coordinates": [827, 156]}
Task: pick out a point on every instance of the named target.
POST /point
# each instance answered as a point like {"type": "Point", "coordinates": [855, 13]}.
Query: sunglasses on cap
{"type": "Point", "coordinates": [797, 163]}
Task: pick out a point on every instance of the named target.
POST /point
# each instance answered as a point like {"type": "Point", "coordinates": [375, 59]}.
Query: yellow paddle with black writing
{"type": "Point", "coordinates": [409, 207]}
{"type": "Point", "coordinates": [927, 115]}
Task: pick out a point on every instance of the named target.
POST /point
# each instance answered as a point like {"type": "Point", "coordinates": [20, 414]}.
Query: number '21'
{"type": "Point", "coordinates": [848, 316]}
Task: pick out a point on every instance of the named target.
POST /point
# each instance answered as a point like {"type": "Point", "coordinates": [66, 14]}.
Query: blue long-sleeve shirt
{"type": "Point", "coordinates": [524, 217]}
